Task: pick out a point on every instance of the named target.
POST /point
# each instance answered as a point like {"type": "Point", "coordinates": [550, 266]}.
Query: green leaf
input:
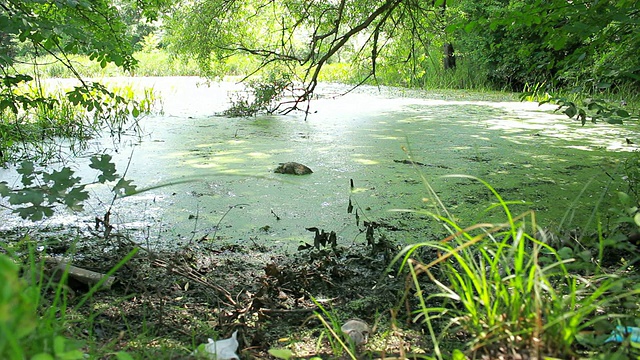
{"type": "Point", "coordinates": [624, 198]}
{"type": "Point", "coordinates": [26, 196]}
{"type": "Point", "coordinates": [636, 219]}
{"type": "Point", "coordinates": [594, 105]}
{"type": "Point", "coordinates": [42, 356]}
{"type": "Point", "coordinates": [62, 180]}
{"type": "Point", "coordinates": [58, 345]}
{"type": "Point", "coordinates": [50, 43]}
{"type": "Point", "coordinates": [117, 59]}
{"type": "Point", "coordinates": [585, 255]}
{"type": "Point", "coordinates": [124, 187]}
{"type": "Point", "coordinates": [4, 189]}
{"type": "Point", "coordinates": [122, 355]}
{"type": "Point", "coordinates": [458, 355]}
{"type": "Point", "coordinates": [27, 170]}
{"type": "Point", "coordinates": [470, 26]}
{"type": "Point", "coordinates": [622, 113]}
{"type": "Point", "coordinates": [75, 197]}
{"type": "Point", "coordinates": [571, 111]}
{"type": "Point", "coordinates": [281, 353]}
{"type": "Point", "coordinates": [565, 253]}
{"type": "Point", "coordinates": [34, 213]}
{"type": "Point", "coordinates": [104, 164]}
{"type": "Point", "coordinates": [70, 355]}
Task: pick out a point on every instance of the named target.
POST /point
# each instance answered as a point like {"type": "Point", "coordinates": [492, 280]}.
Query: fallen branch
{"type": "Point", "coordinates": [56, 268]}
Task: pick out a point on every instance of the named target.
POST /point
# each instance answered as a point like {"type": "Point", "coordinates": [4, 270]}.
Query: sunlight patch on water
{"type": "Point", "coordinates": [581, 147]}
{"type": "Point", "coordinates": [366, 161]}
{"type": "Point", "coordinates": [259, 155]}
{"type": "Point", "coordinates": [359, 190]}
{"type": "Point", "coordinates": [386, 137]}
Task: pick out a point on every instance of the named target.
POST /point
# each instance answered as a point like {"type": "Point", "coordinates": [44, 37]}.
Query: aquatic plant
{"type": "Point", "coordinates": [68, 118]}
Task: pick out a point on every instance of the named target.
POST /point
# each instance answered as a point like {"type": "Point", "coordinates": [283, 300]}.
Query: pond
{"type": "Point", "coordinates": [393, 144]}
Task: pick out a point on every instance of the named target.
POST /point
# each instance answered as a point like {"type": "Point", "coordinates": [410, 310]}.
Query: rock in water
{"type": "Point", "coordinates": [293, 168]}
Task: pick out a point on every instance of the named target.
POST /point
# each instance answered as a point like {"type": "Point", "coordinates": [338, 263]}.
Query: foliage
{"type": "Point", "coordinates": [24, 333]}
{"type": "Point", "coordinates": [18, 304]}
{"type": "Point", "coordinates": [524, 42]}
{"type": "Point", "coordinates": [31, 28]}
{"type": "Point", "coordinates": [631, 170]}
{"type": "Point", "coordinates": [629, 212]}
{"type": "Point", "coordinates": [263, 95]}
{"type": "Point", "coordinates": [298, 34]}
{"type": "Point", "coordinates": [596, 108]}
{"type": "Point", "coordinates": [42, 190]}
{"type": "Point", "coordinates": [509, 291]}
{"type": "Point", "coordinates": [510, 55]}
{"type": "Point", "coordinates": [285, 354]}
{"type": "Point", "coordinates": [582, 51]}
{"type": "Point", "coordinates": [504, 44]}
{"type": "Point", "coordinates": [625, 215]}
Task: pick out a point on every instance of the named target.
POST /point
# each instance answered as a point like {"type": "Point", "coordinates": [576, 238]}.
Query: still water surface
{"type": "Point", "coordinates": [527, 152]}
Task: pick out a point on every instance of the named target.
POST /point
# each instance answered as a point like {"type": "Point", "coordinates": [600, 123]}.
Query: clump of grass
{"type": "Point", "coordinates": [510, 292]}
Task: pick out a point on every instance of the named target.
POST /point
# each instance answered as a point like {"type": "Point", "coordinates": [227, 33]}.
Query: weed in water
{"type": "Point", "coordinates": [71, 117]}
{"type": "Point", "coordinates": [262, 95]}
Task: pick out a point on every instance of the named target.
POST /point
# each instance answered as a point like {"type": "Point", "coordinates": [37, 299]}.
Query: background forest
{"type": "Point", "coordinates": [549, 49]}
{"type": "Point", "coordinates": [507, 290]}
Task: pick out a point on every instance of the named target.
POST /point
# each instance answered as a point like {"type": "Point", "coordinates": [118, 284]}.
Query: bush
{"type": "Point", "coordinates": [262, 96]}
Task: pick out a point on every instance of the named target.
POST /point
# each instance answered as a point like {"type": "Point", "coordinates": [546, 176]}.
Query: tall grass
{"type": "Point", "coordinates": [35, 309]}
{"type": "Point", "coordinates": [334, 333]}
{"type": "Point", "coordinates": [426, 72]}
{"type": "Point", "coordinates": [510, 292]}
{"type": "Point", "coordinates": [151, 63]}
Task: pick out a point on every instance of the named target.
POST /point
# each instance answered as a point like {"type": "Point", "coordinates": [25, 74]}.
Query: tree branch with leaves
{"type": "Point", "coordinates": [299, 36]}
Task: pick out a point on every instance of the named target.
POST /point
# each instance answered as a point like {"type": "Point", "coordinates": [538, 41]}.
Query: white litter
{"type": "Point", "coordinates": [224, 349]}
